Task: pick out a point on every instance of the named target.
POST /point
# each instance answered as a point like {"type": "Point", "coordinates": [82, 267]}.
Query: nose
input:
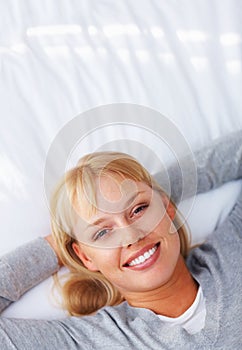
{"type": "Point", "coordinates": [132, 234]}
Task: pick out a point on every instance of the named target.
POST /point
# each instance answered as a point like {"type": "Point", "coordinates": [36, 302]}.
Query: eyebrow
{"type": "Point", "coordinates": [128, 203]}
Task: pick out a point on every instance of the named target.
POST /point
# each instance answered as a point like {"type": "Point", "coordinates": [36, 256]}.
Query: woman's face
{"type": "Point", "coordinates": [130, 239]}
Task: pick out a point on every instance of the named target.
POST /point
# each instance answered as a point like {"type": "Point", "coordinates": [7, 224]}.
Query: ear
{"type": "Point", "coordinates": [86, 260]}
{"type": "Point", "coordinates": [170, 209]}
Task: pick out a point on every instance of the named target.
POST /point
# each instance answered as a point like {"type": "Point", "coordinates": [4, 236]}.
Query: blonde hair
{"type": "Point", "coordinates": [84, 291]}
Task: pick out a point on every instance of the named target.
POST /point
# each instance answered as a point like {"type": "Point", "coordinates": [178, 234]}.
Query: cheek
{"type": "Point", "coordinates": [170, 237]}
{"type": "Point", "coordinates": [166, 227]}
{"type": "Point", "coordinates": [173, 248]}
{"type": "Point", "coordinates": [106, 260]}
{"type": "Point", "coordinates": [177, 243]}
{"type": "Point", "coordinates": [174, 237]}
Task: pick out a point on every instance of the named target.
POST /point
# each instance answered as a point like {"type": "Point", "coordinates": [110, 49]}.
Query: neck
{"type": "Point", "coordinates": [171, 299]}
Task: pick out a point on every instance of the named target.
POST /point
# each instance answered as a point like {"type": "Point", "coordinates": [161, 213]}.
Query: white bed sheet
{"type": "Point", "coordinates": [59, 59]}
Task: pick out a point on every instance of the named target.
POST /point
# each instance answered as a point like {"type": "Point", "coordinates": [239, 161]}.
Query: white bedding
{"type": "Point", "coordinates": [61, 58]}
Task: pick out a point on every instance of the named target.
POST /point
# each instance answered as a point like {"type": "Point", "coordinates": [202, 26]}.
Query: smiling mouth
{"type": "Point", "coordinates": [142, 258]}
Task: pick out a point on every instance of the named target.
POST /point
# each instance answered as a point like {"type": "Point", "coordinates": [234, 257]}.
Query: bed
{"type": "Point", "coordinates": [62, 60]}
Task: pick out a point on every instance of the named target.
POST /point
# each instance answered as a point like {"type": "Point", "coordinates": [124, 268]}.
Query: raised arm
{"type": "Point", "coordinates": [25, 267]}
{"type": "Point", "coordinates": [217, 164]}
{"type": "Point", "coordinates": [22, 269]}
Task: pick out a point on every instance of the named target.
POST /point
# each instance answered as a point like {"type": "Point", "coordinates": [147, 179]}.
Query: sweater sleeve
{"type": "Point", "coordinates": [216, 164]}
{"type": "Point", "coordinates": [23, 268]}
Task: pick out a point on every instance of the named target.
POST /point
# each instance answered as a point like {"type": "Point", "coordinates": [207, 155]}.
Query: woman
{"type": "Point", "coordinates": [123, 242]}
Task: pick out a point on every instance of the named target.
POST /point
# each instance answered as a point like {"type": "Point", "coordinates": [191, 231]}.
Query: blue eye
{"type": "Point", "coordinates": [140, 209]}
{"type": "Point", "coordinates": [101, 234]}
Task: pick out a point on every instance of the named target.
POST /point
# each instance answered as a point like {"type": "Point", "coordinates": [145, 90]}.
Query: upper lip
{"type": "Point", "coordinates": [140, 252]}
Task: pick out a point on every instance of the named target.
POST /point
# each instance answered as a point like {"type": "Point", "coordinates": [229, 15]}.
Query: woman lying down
{"type": "Point", "coordinates": [133, 282]}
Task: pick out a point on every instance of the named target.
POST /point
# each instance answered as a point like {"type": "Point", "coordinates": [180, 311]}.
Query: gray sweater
{"type": "Point", "coordinates": [216, 265]}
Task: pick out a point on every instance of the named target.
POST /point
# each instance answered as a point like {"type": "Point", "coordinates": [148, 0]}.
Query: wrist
{"type": "Point", "coordinates": [51, 242]}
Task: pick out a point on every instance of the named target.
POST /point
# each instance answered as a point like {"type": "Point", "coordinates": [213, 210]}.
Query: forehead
{"type": "Point", "coordinates": [114, 189]}
{"type": "Point", "coordinates": [113, 194]}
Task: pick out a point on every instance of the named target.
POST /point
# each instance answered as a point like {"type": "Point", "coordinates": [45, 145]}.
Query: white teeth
{"type": "Point", "coordinates": [143, 257]}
